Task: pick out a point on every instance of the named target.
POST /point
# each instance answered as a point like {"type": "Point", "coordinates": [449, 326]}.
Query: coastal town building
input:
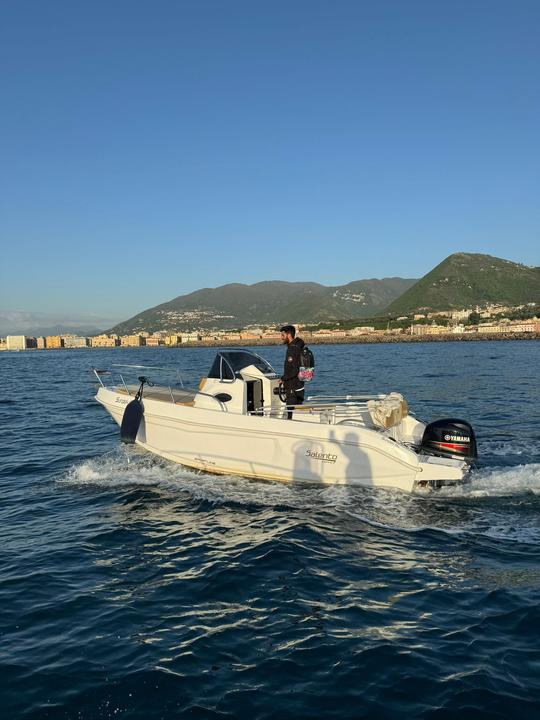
{"type": "Point", "coordinates": [16, 342]}
{"type": "Point", "coordinates": [54, 342]}
{"type": "Point", "coordinates": [429, 329]}
{"type": "Point", "coordinates": [491, 310]}
{"type": "Point", "coordinates": [105, 341]}
{"type": "Point", "coordinates": [460, 314]}
{"type": "Point", "coordinates": [491, 328]}
{"type": "Point", "coordinates": [154, 341]}
{"type": "Point", "coordinates": [329, 334]}
{"type": "Point", "coordinates": [496, 326]}
{"type": "Point", "coordinates": [362, 330]}
{"type": "Point", "coordinates": [438, 314]}
{"type": "Point", "coordinates": [76, 341]}
{"type": "Point", "coordinates": [132, 340]}
{"type": "Point", "coordinates": [526, 326]}
{"type": "Point", "coordinates": [190, 337]}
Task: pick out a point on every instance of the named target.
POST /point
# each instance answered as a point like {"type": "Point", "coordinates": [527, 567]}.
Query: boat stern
{"type": "Point", "coordinates": [435, 472]}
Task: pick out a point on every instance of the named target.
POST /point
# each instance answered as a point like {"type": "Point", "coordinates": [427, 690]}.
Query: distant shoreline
{"type": "Point", "coordinates": [359, 340]}
{"type": "Point", "coordinates": [371, 340]}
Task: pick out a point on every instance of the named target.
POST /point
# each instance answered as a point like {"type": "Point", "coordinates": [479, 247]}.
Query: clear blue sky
{"type": "Point", "coordinates": [151, 148]}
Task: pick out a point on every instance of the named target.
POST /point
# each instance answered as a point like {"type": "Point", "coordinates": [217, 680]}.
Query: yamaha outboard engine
{"type": "Point", "coordinates": [450, 438]}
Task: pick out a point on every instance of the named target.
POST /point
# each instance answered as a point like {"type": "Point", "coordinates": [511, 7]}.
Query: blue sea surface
{"type": "Point", "coordinates": [131, 587]}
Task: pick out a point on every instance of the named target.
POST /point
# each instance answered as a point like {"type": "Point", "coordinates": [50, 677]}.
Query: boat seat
{"type": "Point", "coordinates": [186, 398]}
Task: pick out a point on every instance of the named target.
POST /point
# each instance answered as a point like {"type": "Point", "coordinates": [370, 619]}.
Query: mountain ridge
{"type": "Point", "coordinates": [464, 280]}
{"type": "Point", "coordinates": [460, 281]}
{"type": "Point", "coordinates": [267, 302]}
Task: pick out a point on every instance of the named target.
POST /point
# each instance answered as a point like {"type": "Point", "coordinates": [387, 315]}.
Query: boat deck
{"type": "Point", "coordinates": [325, 412]}
{"type": "Point", "coordinates": [164, 394]}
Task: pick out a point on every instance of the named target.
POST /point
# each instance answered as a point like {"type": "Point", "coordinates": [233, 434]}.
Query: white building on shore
{"type": "Point", "coordinates": [75, 341]}
{"type": "Point", "coordinates": [16, 342]}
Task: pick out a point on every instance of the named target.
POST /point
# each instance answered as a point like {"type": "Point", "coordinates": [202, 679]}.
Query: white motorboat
{"type": "Point", "coordinates": [236, 423]}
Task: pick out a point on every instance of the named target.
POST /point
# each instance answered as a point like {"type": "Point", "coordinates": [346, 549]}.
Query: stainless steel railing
{"type": "Point", "coordinates": [157, 390]}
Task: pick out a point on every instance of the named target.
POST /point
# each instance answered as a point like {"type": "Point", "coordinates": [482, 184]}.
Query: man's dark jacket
{"type": "Point", "coordinates": [293, 362]}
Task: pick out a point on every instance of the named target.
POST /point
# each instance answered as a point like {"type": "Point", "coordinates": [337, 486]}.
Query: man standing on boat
{"type": "Point", "coordinates": [292, 385]}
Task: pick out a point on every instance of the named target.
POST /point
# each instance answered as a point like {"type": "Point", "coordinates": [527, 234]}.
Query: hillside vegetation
{"type": "Point", "coordinates": [465, 280]}
{"type": "Point", "coordinates": [267, 303]}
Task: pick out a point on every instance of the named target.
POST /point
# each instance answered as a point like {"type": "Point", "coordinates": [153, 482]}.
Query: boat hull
{"type": "Point", "coordinates": [276, 449]}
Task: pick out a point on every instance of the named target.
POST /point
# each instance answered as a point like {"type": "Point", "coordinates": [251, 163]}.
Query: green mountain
{"type": "Point", "coordinates": [267, 303]}
{"type": "Point", "coordinates": [465, 280]}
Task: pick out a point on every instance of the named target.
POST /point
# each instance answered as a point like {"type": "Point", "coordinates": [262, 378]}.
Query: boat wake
{"type": "Point", "coordinates": [499, 482]}
{"type": "Point", "coordinates": [498, 503]}
{"type": "Point", "coordinates": [131, 467]}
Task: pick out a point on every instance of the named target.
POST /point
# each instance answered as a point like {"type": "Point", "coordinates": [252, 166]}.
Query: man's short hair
{"type": "Point", "coordinates": [289, 329]}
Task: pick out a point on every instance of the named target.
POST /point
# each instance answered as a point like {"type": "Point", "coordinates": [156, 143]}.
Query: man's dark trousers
{"type": "Point", "coordinates": [293, 397]}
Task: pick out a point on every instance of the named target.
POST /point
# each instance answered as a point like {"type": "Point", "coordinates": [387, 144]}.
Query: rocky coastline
{"type": "Point", "coordinates": [372, 339]}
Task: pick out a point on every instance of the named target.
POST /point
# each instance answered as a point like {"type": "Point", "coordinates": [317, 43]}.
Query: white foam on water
{"type": "Point", "coordinates": [498, 482]}
{"type": "Point", "coordinates": [464, 509]}
{"type": "Point", "coordinates": [115, 469]}
{"type": "Point", "coordinates": [498, 503]}
{"type": "Point", "coordinates": [131, 468]}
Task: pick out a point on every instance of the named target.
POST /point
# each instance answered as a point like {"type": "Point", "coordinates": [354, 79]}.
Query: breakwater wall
{"type": "Point", "coordinates": [372, 339]}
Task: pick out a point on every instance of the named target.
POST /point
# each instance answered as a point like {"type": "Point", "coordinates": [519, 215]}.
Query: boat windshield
{"type": "Point", "coordinates": [229, 363]}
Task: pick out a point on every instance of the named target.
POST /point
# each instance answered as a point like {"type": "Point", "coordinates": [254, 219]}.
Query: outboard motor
{"type": "Point", "coordinates": [450, 438]}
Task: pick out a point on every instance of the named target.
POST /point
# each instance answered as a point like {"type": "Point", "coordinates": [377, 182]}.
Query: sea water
{"type": "Point", "coordinates": [131, 587]}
